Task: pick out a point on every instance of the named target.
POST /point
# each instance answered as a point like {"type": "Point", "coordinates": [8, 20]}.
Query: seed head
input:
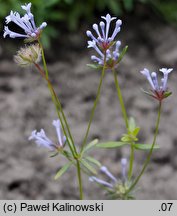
{"type": "Point", "coordinates": [28, 55]}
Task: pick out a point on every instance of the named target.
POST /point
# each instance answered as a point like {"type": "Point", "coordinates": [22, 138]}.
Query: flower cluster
{"type": "Point", "coordinates": [159, 92]}
{"type": "Point", "coordinates": [115, 187]}
{"type": "Point", "coordinates": [41, 139]}
{"type": "Point", "coordinates": [26, 23]}
{"type": "Point", "coordinates": [104, 44]}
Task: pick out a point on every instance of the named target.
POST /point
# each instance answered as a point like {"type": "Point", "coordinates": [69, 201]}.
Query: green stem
{"type": "Point", "coordinates": [67, 126]}
{"type": "Point", "coordinates": [119, 94]}
{"type": "Point", "coordinates": [93, 108]}
{"type": "Point", "coordinates": [73, 151]}
{"type": "Point", "coordinates": [79, 179]}
{"type": "Point", "coordinates": [131, 162]}
{"type": "Point", "coordinates": [124, 113]}
{"type": "Point", "coordinates": [59, 104]}
{"type": "Point", "coordinates": [54, 99]}
{"type": "Point", "coordinates": [150, 152]}
{"type": "Point", "coordinates": [43, 59]}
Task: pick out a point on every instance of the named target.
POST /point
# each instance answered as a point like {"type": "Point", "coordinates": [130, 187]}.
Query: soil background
{"type": "Point", "coordinates": [26, 171]}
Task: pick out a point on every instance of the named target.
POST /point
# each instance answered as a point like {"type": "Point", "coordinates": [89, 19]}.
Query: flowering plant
{"type": "Point", "coordinates": [26, 23]}
{"type": "Point", "coordinates": [107, 58]}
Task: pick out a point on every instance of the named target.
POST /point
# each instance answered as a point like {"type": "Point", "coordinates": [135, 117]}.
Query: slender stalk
{"type": "Point", "coordinates": [124, 113]}
{"type": "Point", "coordinates": [131, 162]}
{"type": "Point", "coordinates": [54, 99]}
{"type": "Point", "coordinates": [73, 151]}
{"type": "Point", "coordinates": [43, 59]}
{"type": "Point", "coordinates": [119, 94]}
{"type": "Point", "coordinates": [93, 108]}
{"type": "Point", "coordinates": [150, 152]}
{"type": "Point", "coordinates": [79, 180]}
{"type": "Point", "coordinates": [59, 104]}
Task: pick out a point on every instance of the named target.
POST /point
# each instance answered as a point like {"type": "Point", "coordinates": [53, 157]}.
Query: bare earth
{"type": "Point", "coordinates": [26, 171]}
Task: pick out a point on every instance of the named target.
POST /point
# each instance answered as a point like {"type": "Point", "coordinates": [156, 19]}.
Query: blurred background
{"type": "Point", "coordinates": [149, 29]}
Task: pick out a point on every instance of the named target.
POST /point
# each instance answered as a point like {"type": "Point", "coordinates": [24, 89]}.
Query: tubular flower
{"type": "Point", "coordinates": [41, 139]}
{"type": "Point", "coordinates": [26, 23]}
{"type": "Point", "coordinates": [104, 43]}
{"type": "Point", "coordinates": [158, 91]}
{"type": "Point", "coordinates": [115, 187]}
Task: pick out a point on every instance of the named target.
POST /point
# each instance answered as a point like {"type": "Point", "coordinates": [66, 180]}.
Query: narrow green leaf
{"type": "Point", "coordinates": [94, 161]}
{"type": "Point", "coordinates": [71, 144]}
{"type": "Point", "coordinates": [126, 138]}
{"type": "Point", "coordinates": [29, 40]}
{"type": "Point", "coordinates": [131, 124]}
{"type": "Point", "coordinates": [122, 54]}
{"type": "Point", "coordinates": [62, 170]}
{"type": "Point", "coordinates": [67, 154]}
{"type": "Point", "coordinates": [111, 144]}
{"type": "Point", "coordinates": [94, 66]}
{"type": "Point", "coordinates": [146, 92]}
{"type": "Point", "coordinates": [139, 146]}
{"type": "Point", "coordinates": [88, 166]}
{"type": "Point", "coordinates": [90, 145]}
{"type": "Point", "coordinates": [167, 94]}
{"type": "Point", "coordinates": [136, 131]}
{"type": "Point", "coordinates": [54, 154]}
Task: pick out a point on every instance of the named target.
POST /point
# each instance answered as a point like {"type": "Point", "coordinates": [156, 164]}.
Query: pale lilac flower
{"type": "Point", "coordinates": [113, 180]}
{"type": "Point", "coordinates": [100, 181]}
{"type": "Point", "coordinates": [158, 88]}
{"type": "Point", "coordinates": [103, 39]}
{"type": "Point", "coordinates": [124, 168]}
{"type": "Point", "coordinates": [109, 174]}
{"type": "Point", "coordinates": [165, 72]}
{"type": "Point", "coordinates": [61, 138]}
{"type": "Point", "coordinates": [99, 59]}
{"type": "Point", "coordinates": [26, 23]}
{"type": "Point", "coordinates": [110, 57]}
{"type": "Point", "coordinates": [116, 187]}
{"type": "Point", "coordinates": [41, 139]}
{"type": "Point", "coordinates": [104, 42]}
